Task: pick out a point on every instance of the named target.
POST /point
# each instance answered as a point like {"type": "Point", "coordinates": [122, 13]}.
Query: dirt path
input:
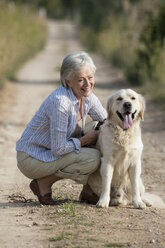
{"type": "Point", "coordinates": [23, 222]}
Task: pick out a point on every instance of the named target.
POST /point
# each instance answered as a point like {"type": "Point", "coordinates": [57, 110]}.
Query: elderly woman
{"type": "Point", "coordinates": [54, 144]}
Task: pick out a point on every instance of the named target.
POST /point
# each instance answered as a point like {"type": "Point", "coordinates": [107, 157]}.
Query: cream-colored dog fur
{"type": "Point", "coordinates": [121, 148]}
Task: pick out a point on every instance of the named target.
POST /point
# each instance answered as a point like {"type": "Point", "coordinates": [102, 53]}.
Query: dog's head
{"type": "Point", "coordinates": [125, 107]}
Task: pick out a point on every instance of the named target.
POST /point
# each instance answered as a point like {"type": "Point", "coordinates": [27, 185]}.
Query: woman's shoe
{"type": "Point", "coordinates": [46, 199]}
{"type": "Point", "coordinates": [88, 196]}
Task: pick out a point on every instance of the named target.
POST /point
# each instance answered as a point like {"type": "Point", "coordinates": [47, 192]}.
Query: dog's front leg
{"type": "Point", "coordinates": [134, 173]}
{"type": "Point", "coordinates": [106, 175]}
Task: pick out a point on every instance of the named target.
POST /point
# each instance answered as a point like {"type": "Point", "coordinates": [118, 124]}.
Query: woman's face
{"type": "Point", "coordinates": [82, 82]}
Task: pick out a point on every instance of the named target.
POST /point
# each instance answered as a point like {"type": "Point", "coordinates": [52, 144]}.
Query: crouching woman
{"type": "Point", "coordinates": [54, 144]}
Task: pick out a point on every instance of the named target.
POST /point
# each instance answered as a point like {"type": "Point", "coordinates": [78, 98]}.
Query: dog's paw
{"type": "Point", "coordinates": [103, 203]}
{"type": "Point", "coordinates": [114, 202]}
{"type": "Point", "coordinates": [139, 204]}
{"type": "Point", "coordinates": [148, 203]}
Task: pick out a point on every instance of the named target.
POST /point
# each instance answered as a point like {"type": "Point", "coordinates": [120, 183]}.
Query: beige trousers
{"type": "Point", "coordinates": [75, 166]}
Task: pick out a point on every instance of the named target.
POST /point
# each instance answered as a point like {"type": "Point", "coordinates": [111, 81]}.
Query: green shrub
{"type": "Point", "coordinates": [132, 39]}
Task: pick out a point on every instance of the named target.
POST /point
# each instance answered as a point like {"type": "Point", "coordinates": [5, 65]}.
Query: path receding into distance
{"type": "Point", "coordinates": [34, 82]}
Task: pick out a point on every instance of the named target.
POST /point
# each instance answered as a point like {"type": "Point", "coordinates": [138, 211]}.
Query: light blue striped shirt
{"type": "Point", "coordinates": [48, 135]}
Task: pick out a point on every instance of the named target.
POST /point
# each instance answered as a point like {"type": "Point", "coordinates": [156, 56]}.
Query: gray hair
{"type": "Point", "coordinates": [74, 62]}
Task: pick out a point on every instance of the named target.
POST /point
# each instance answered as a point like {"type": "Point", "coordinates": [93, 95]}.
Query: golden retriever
{"type": "Point", "coordinates": [121, 149]}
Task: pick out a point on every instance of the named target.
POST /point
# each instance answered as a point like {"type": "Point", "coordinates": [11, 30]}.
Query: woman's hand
{"type": "Point", "coordinates": [90, 138]}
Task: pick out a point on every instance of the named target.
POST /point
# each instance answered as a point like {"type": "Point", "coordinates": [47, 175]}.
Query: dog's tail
{"type": "Point", "coordinates": [155, 200]}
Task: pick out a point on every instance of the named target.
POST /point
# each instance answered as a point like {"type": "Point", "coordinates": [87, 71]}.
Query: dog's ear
{"type": "Point", "coordinates": [109, 106]}
{"type": "Point", "coordinates": [142, 107]}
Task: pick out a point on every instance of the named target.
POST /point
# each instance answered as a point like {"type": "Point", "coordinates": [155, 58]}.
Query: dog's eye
{"type": "Point", "coordinates": [119, 98]}
{"type": "Point", "coordinates": [133, 98]}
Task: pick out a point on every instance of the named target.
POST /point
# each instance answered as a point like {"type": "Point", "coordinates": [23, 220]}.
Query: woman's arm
{"type": "Point", "coordinates": [97, 112]}
{"type": "Point", "coordinates": [90, 138]}
{"type": "Point", "coordinates": [59, 118]}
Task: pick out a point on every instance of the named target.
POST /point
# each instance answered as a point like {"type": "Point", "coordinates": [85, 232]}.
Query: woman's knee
{"type": "Point", "coordinates": [91, 161]}
{"type": "Point", "coordinates": [94, 153]}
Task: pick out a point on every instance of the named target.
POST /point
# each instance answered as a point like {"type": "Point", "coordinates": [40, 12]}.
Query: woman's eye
{"type": "Point", "coordinates": [119, 99]}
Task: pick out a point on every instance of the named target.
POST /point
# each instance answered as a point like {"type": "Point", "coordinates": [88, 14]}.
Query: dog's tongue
{"type": "Point", "coordinates": [127, 122]}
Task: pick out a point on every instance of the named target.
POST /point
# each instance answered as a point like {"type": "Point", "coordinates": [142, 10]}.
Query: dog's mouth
{"type": "Point", "coordinates": [127, 119]}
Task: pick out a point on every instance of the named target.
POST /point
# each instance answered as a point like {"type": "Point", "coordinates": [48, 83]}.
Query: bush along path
{"type": "Point", "coordinates": [23, 35]}
{"type": "Point", "coordinates": [23, 221]}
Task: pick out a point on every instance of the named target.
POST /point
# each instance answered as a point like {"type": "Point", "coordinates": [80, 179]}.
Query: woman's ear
{"type": "Point", "coordinates": [142, 107]}
{"type": "Point", "coordinates": [67, 82]}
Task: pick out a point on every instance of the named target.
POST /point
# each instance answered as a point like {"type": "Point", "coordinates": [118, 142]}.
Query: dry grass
{"type": "Point", "coordinates": [22, 33]}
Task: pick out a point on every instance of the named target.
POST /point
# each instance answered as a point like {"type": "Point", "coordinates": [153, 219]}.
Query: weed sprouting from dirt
{"type": "Point", "coordinates": [90, 223]}
{"type": "Point", "coordinates": [57, 238]}
{"type": "Point", "coordinates": [47, 228]}
{"type": "Point", "coordinates": [114, 245]}
{"type": "Point", "coordinates": [63, 210]}
{"type": "Point", "coordinates": [69, 208]}
{"type": "Point", "coordinates": [92, 239]}
{"type": "Point", "coordinates": [61, 237]}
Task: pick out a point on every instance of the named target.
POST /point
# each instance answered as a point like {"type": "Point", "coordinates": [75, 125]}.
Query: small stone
{"type": "Point", "coordinates": [28, 225]}
{"type": "Point", "coordinates": [152, 241]}
{"type": "Point", "coordinates": [31, 211]}
{"type": "Point", "coordinates": [35, 223]}
{"type": "Point", "coordinates": [153, 211]}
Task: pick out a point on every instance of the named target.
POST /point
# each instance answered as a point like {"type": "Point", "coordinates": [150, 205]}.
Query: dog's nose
{"type": "Point", "coordinates": [127, 105]}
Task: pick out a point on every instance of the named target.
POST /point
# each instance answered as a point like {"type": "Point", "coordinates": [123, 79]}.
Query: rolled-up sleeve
{"type": "Point", "coordinates": [60, 145]}
{"type": "Point", "coordinates": [97, 112]}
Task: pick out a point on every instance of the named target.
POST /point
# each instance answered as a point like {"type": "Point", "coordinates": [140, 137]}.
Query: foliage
{"type": "Point", "coordinates": [129, 33]}
{"type": "Point", "coordinates": [132, 40]}
{"type": "Point", "coordinates": [149, 64]}
{"type": "Point", "coordinates": [95, 13]}
{"type": "Point", "coordinates": [22, 33]}
{"type": "Point", "coordinates": [54, 8]}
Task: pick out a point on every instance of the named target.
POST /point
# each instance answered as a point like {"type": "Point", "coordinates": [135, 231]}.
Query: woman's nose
{"type": "Point", "coordinates": [87, 82]}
